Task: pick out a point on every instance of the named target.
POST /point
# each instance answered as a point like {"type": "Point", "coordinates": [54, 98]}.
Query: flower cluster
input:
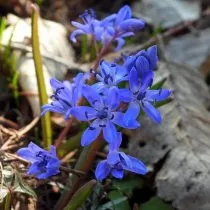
{"type": "Point", "coordinates": [121, 91]}
{"type": "Point", "coordinates": [112, 28]}
{"type": "Point", "coordinates": [44, 163]}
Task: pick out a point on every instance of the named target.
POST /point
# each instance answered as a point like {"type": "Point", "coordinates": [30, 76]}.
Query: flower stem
{"type": "Point", "coordinates": [7, 203]}
{"type": "Point", "coordinates": [83, 164]}
{"type": "Point", "coordinates": [43, 98]}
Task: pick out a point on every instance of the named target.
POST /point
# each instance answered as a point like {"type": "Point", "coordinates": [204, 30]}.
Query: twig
{"type": "Point", "coordinates": [9, 123]}
{"type": "Point", "coordinates": [18, 134]}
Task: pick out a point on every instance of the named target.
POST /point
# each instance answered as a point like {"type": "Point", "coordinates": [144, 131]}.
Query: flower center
{"type": "Point", "coordinates": [102, 114]}
{"type": "Point", "coordinates": [141, 96]}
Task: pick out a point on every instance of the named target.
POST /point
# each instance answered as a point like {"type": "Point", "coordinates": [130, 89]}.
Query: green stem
{"type": "Point", "coordinates": [7, 203]}
{"type": "Point", "coordinates": [43, 98]}
{"type": "Point", "coordinates": [84, 164]}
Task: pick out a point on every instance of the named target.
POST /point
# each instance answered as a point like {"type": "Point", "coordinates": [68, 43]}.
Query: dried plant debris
{"type": "Point", "coordinates": [181, 145]}
{"type": "Point", "coordinates": [167, 13]}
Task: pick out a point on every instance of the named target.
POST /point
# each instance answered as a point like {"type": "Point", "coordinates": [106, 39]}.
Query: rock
{"type": "Point", "coordinates": [191, 49]}
{"type": "Point", "coordinates": [167, 13]}
{"type": "Point", "coordinates": [181, 144]}
{"type": "Point", "coordinates": [57, 53]}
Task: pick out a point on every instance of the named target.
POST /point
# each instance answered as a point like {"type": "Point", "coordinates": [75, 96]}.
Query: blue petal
{"type": "Point", "coordinates": [84, 113]}
{"type": "Point", "coordinates": [119, 120]}
{"type": "Point", "coordinates": [110, 132]}
{"type": "Point", "coordinates": [137, 166]}
{"type": "Point", "coordinates": [152, 112]}
{"type": "Point", "coordinates": [27, 154]}
{"type": "Point", "coordinates": [120, 43]}
{"type": "Point", "coordinates": [152, 53]}
{"type": "Point", "coordinates": [55, 84]}
{"type": "Point", "coordinates": [157, 95]}
{"type": "Point", "coordinates": [102, 170]}
{"type": "Point", "coordinates": [44, 175]}
{"type": "Point", "coordinates": [129, 62]}
{"type": "Point", "coordinates": [121, 74]}
{"type": "Point", "coordinates": [123, 14]}
{"type": "Point", "coordinates": [91, 95]}
{"type": "Point", "coordinates": [133, 80]}
{"type": "Point", "coordinates": [34, 169]}
{"type": "Point", "coordinates": [108, 19]}
{"type": "Point", "coordinates": [125, 95]}
{"type": "Point", "coordinates": [53, 150]}
{"type": "Point", "coordinates": [147, 81]}
{"type": "Point", "coordinates": [105, 68]}
{"type": "Point", "coordinates": [74, 34]}
{"type": "Point", "coordinates": [89, 135]}
{"type": "Point", "coordinates": [99, 87]}
{"type": "Point", "coordinates": [54, 107]}
{"type": "Point", "coordinates": [77, 25]}
{"type": "Point", "coordinates": [132, 112]}
{"type": "Point", "coordinates": [113, 158]}
{"type": "Point", "coordinates": [116, 144]}
{"type": "Point", "coordinates": [142, 65]}
{"type": "Point", "coordinates": [117, 173]}
{"type": "Point", "coordinates": [112, 98]}
{"type": "Point", "coordinates": [132, 24]}
{"type": "Point", "coordinates": [125, 160]}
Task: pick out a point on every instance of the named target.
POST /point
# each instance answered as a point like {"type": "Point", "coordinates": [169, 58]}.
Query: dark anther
{"type": "Point", "coordinates": [135, 93]}
{"type": "Point", "coordinates": [141, 96]}
{"type": "Point", "coordinates": [91, 128]}
{"type": "Point", "coordinates": [57, 91]}
{"type": "Point", "coordinates": [160, 91]}
{"type": "Point", "coordinates": [94, 101]}
{"type": "Point", "coordinates": [39, 154]}
{"type": "Point", "coordinates": [112, 117]}
{"type": "Point", "coordinates": [86, 115]}
{"type": "Point", "coordinates": [107, 77]}
{"type": "Point", "coordinates": [102, 126]}
{"type": "Point", "coordinates": [113, 65]}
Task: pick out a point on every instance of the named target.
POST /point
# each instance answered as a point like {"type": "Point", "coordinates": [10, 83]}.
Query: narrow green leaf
{"type": "Point", "coordinates": [155, 203]}
{"type": "Point", "coordinates": [81, 195]}
{"type": "Point", "coordinates": [159, 84]}
{"type": "Point", "coordinates": [116, 195]}
{"type": "Point", "coordinates": [22, 187]}
{"type": "Point", "coordinates": [46, 123]}
{"type": "Point", "coordinates": [127, 186]}
{"type": "Point", "coordinates": [112, 204]}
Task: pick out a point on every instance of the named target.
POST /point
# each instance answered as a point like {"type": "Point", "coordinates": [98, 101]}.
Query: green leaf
{"type": "Point", "coordinates": [155, 203]}
{"type": "Point", "coordinates": [116, 195]}
{"type": "Point", "coordinates": [114, 204]}
{"type": "Point", "coordinates": [127, 186]}
{"type": "Point", "coordinates": [81, 196]}
{"type": "Point", "coordinates": [46, 123]}
{"type": "Point", "coordinates": [159, 84]}
{"type": "Point", "coordinates": [22, 187]}
{"type": "Point", "coordinates": [70, 145]}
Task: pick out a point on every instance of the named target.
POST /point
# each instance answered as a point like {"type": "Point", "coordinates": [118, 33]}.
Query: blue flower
{"type": "Point", "coordinates": [44, 163]}
{"type": "Point", "coordinates": [112, 28]}
{"type": "Point", "coordinates": [143, 61]}
{"type": "Point", "coordinates": [116, 163]}
{"type": "Point", "coordinates": [102, 114]}
{"type": "Point", "coordinates": [141, 96]}
{"type": "Point", "coordinates": [91, 26]}
{"type": "Point", "coordinates": [110, 75]}
{"type": "Point", "coordinates": [66, 96]}
{"type": "Point", "coordinates": [121, 25]}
